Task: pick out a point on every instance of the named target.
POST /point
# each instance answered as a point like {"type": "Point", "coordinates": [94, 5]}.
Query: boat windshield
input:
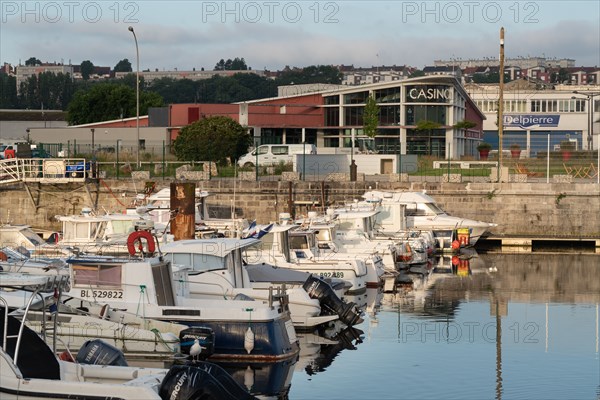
{"type": "Point", "coordinates": [199, 262]}
{"type": "Point", "coordinates": [33, 237]}
{"type": "Point", "coordinates": [423, 209]}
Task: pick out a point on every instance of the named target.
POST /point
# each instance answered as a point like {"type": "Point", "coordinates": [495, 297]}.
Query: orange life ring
{"type": "Point", "coordinates": [136, 237]}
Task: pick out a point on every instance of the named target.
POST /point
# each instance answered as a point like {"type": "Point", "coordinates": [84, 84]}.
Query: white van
{"type": "Point", "coordinates": [273, 154]}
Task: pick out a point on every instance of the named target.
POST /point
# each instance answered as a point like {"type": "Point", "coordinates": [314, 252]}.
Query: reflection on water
{"type": "Point", "coordinates": [477, 326]}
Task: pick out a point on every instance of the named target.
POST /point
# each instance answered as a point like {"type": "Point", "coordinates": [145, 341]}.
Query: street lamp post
{"type": "Point", "coordinates": [137, 97]}
{"type": "Point", "coordinates": [590, 98]}
{"type": "Point", "coordinates": [93, 146]}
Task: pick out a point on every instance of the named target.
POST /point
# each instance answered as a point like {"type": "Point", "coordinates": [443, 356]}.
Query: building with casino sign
{"type": "Point", "coordinates": [329, 119]}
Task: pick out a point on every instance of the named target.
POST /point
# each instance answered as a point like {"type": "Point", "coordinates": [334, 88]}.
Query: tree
{"type": "Point", "coordinates": [238, 64]}
{"type": "Point", "coordinates": [123, 66]}
{"type": "Point", "coordinates": [107, 101]}
{"type": "Point", "coordinates": [216, 138]}
{"type": "Point", "coordinates": [46, 90]}
{"type": "Point", "coordinates": [562, 76]}
{"type": "Point", "coordinates": [371, 117]}
{"type": "Point", "coordinates": [220, 66]}
{"type": "Point", "coordinates": [465, 124]}
{"type": "Point", "coordinates": [32, 61]}
{"type": "Point", "coordinates": [427, 126]}
{"type": "Point", "coordinates": [8, 92]}
{"type": "Point", "coordinates": [310, 74]}
{"type": "Point", "coordinates": [87, 68]}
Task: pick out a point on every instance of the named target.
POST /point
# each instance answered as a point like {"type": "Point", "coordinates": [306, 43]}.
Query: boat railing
{"type": "Point", "coordinates": [49, 284]}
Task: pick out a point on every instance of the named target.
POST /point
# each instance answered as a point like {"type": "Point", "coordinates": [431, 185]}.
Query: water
{"type": "Point", "coordinates": [511, 327]}
{"type": "Point", "coordinates": [495, 327]}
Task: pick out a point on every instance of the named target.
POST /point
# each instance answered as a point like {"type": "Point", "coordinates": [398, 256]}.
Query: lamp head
{"type": "Point", "coordinates": [130, 29]}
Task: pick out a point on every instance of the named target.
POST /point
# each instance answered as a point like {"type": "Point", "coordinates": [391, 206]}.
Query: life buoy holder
{"type": "Point", "coordinates": [136, 238]}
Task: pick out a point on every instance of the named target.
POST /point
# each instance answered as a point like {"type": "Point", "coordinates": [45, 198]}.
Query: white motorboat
{"type": "Point", "coordinates": [352, 232]}
{"type": "Point", "coordinates": [218, 270]}
{"type": "Point", "coordinates": [153, 288]}
{"type": "Point", "coordinates": [417, 210]}
{"type": "Point", "coordinates": [157, 207]}
{"type": "Point", "coordinates": [99, 234]}
{"type": "Point", "coordinates": [275, 249]}
{"type": "Point", "coordinates": [29, 369]}
{"type": "Point", "coordinates": [25, 239]}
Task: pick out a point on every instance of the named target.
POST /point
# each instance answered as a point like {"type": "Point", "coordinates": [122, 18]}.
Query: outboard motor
{"type": "Point", "coordinates": [201, 381]}
{"type": "Point", "coordinates": [318, 289]}
{"type": "Point", "coordinates": [206, 339]}
{"type": "Point", "coordinates": [98, 352]}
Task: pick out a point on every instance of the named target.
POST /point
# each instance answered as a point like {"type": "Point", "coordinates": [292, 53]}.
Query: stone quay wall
{"type": "Point", "coordinates": [533, 209]}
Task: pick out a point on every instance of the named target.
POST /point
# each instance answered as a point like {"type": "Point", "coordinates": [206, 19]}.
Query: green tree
{"type": "Point", "coordinates": [218, 138]}
{"type": "Point", "coordinates": [561, 76]}
{"type": "Point", "coordinates": [220, 66]}
{"type": "Point", "coordinates": [107, 101]}
{"type": "Point", "coordinates": [238, 64]}
{"type": "Point", "coordinates": [464, 124]}
{"type": "Point", "coordinates": [8, 92]}
{"type": "Point", "coordinates": [427, 126]}
{"type": "Point", "coordinates": [310, 74]}
{"type": "Point", "coordinates": [87, 68]}
{"type": "Point", "coordinates": [46, 90]}
{"type": "Point", "coordinates": [123, 66]}
{"type": "Point", "coordinates": [32, 61]}
{"type": "Point", "coordinates": [371, 117]}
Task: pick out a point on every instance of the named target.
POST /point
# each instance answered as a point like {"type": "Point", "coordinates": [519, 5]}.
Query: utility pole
{"type": "Point", "coordinates": [501, 103]}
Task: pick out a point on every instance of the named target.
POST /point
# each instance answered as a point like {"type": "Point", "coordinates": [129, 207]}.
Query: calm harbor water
{"type": "Point", "coordinates": [503, 327]}
{"type": "Point", "coordinates": [496, 327]}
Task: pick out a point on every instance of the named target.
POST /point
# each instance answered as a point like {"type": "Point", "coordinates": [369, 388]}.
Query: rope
{"type": "Point", "coordinates": [141, 301]}
{"type": "Point", "coordinates": [111, 192]}
{"type": "Point", "coordinates": [161, 340]}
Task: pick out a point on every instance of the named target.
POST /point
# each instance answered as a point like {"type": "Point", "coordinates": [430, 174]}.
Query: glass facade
{"type": "Point", "coordinates": [400, 106]}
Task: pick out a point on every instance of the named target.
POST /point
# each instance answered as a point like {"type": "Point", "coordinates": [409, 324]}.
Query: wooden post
{"type": "Point", "coordinates": [183, 212]}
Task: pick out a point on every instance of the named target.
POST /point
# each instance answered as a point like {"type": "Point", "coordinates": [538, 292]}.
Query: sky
{"type": "Point", "coordinates": [274, 34]}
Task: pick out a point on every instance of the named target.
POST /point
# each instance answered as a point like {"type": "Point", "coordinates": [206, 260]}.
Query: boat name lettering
{"type": "Point", "coordinates": [102, 294]}
{"type": "Point", "coordinates": [331, 274]}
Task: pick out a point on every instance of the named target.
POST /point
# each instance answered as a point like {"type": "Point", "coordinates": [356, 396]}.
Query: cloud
{"type": "Point", "coordinates": [169, 38]}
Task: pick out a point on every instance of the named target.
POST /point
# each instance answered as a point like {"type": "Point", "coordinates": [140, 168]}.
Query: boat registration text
{"type": "Point", "coordinates": [102, 294]}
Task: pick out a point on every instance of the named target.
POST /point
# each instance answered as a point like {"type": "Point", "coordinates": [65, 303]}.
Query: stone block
{"type": "Point", "coordinates": [290, 176]}
{"type": "Point", "coordinates": [453, 178]}
{"type": "Point", "coordinates": [517, 178]}
{"type": "Point", "coordinates": [338, 177]}
{"type": "Point", "coordinates": [194, 175]}
{"type": "Point", "coordinates": [186, 167]}
{"type": "Point", "coordinates": [403, 177]}
{"type": "Point", "coordinates": [140, 175]}
{"type": "Point", "coordinates": [562, 178]}
{"type": "Point", "coordinates": [247, 175]}
{"type": "Point", "coordinates": [210, 167]}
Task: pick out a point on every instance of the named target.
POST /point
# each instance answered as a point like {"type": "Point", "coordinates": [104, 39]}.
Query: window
{"type": "Point", "coordinates": [97, 275]}
{"type": "Point", "coordinates": [356, 98]}
{"type": "Point", "coordinates": [354, 116]}
{"type": "Point", "coordinates": [332, 116]}
{"type": "Point", "coordinates": [280, 150]}
{"type": "Point", "coordinates": [391, 95]}
{"type": "Point", "coordinates": [329, 100]}
{"type": "Point", "coordinates": [261, 150]}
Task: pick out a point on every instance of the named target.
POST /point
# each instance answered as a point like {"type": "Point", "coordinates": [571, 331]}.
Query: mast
{"type": "Point", "coordinates": [501, 103]}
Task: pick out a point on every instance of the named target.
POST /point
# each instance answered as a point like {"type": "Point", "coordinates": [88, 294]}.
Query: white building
{"type": "Point", "coordinates": [532, 116]}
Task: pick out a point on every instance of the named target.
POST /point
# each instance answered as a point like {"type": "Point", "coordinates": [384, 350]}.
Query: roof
{"type": "Point", "coordinates": [32, 115]}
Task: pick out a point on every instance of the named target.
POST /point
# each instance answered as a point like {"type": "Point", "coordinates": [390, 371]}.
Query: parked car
{"type": "Point", "coordinates": [273, 154]}
{"type": "Point", "coordinates": [40, 153]}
